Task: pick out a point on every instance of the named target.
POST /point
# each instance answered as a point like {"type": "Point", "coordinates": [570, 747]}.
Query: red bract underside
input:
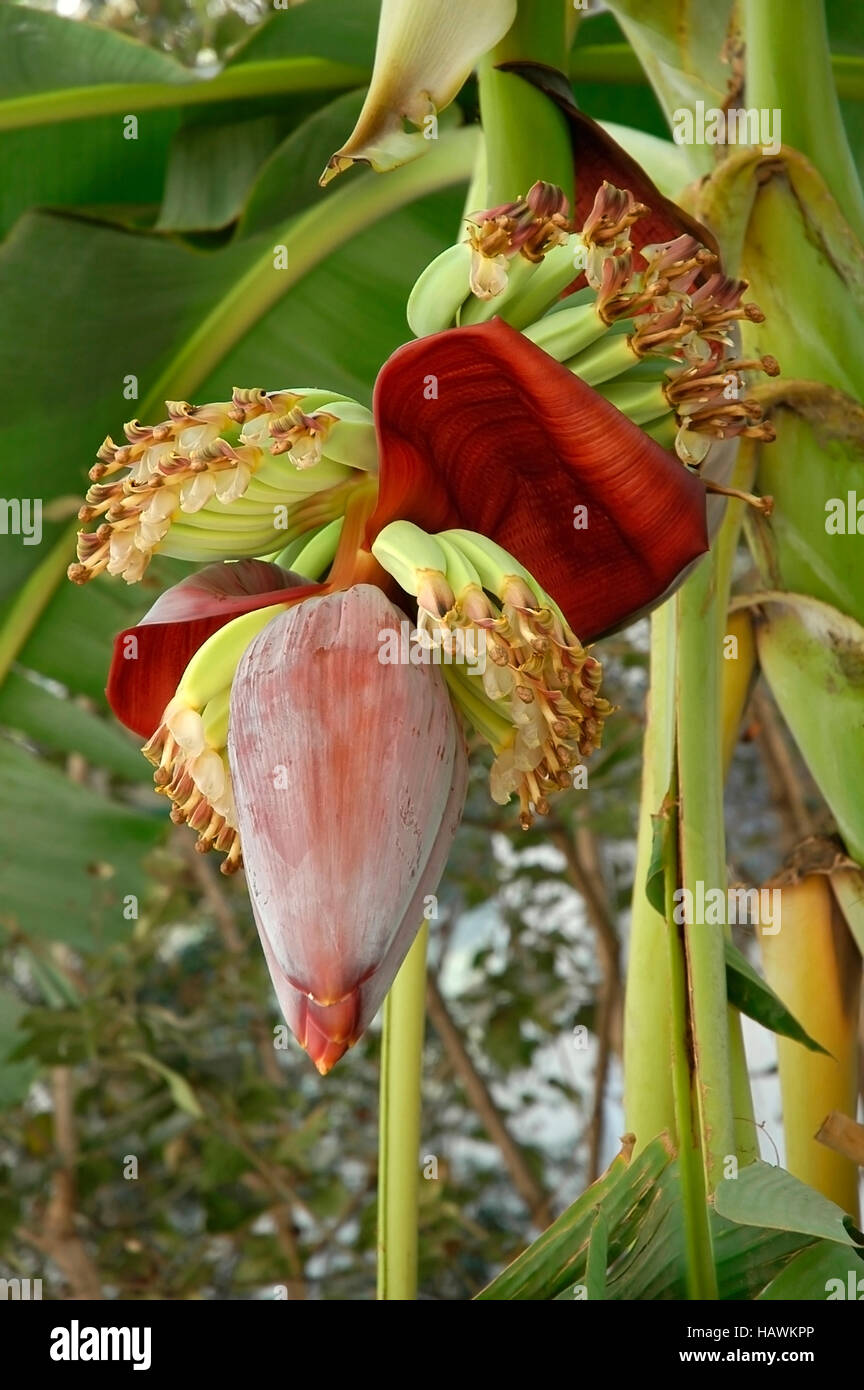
{"type": "Point", "coordinates": [511, 443]}
{"type": "Point", "coordinates": [146, 671]}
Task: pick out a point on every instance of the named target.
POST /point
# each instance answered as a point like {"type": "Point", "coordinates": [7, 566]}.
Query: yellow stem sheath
{"type": "Point", "coordinates": [815, 967]}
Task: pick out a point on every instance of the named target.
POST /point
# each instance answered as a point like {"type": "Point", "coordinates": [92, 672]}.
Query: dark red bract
{"type": "Point", "coordinates": [148, 660]}
{"type": "Point", "coordinates": [479, 428]}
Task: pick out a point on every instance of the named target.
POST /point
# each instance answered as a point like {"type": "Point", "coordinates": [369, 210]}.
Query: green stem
{"type": "Point", "coordinates": [650, 1033]}
{"type": "Point", "coordinates": [702, 865]}
{"type": "Point", "coordinates": [537, 35]}
{"type": "Point", "coordinates": [725, 1101]}
{"type": "Point", "coordinates": [399, 1131]}
{"type": "Point", "coordinates": [274, 78]}
{"type": "Point", "coordinates": [33, 598]}
{"type": "Point", "coordinates": [310, 238]}
{"type": "Point", "coordinates": [648, 1093]}
{"type": "Point", "coordinates": [788, 68]}
{"type": "Point", "coordinates": [526, 135]}
{"type": "Point", "coordinates": [700, 1269]}
{"type": "Point", "coordinates": [724, 551]}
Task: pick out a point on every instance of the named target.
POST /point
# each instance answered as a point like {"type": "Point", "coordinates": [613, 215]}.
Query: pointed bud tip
{"type": "Point", "coordinates": [326, 1061]}
{"type": "Point", "coordinates": [330, 1029]}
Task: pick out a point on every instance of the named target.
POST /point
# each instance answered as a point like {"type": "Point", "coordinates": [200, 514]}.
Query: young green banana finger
{"type": "Point", "coordinates": [437, 298]}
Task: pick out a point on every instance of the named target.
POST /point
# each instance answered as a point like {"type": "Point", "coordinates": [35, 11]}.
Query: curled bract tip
{"type": "Point", "coordinates": [423, 56]}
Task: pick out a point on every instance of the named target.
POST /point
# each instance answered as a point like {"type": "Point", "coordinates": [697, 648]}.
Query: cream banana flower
{"type": "Point", "coordinates": [425, 52]}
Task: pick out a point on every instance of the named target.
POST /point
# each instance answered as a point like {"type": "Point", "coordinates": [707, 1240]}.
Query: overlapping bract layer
{"type": "Point", "coordinates": [349, 779]}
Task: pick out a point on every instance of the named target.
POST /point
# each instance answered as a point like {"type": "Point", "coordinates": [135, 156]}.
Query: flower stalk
{"type": "Point", "coordinates": [648, 1091]}
{"type": "Point", "coordinates": [399, 1126]}
{"type": "Point", "coordinates": [702, 849]}
{"type": "Point", "coordinates": [701, 1274]}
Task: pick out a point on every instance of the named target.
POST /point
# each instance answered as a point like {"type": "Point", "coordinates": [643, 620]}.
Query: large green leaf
{"type": "Point", "coordinates": [762, 1195]}
{"type": "Point", "coordinates": [211, 168]}
{"type": "Point", "coordinates": [40, 52]}
{"type": "Point", "coordinates": [60, 725]}
{"type": "Point", "coordinates": [624, 1240]}
{"type": "Point", "coordinates": [115, 311]}
{"type": "Point", "coordinates": [288, 182]}
{"type": "Point", "coordinates": [807, 1277]}
{"type": "Point", "coordinates": [89, 115]}
{"type": "Point", "coordinates": [91, 161]}
{"type": "Point", "coordinates": [143, 305]}
{"type": "Point", "coordinates": [557, 1259]}
{"type": "Point", "coordinates": [71, 858]}
{"type": "Point", "coordinates": [343, 33]}
{"type": "Point", "coordinates": [53, 69]}
{"type": "Point", "coordinates": [655, 1269]}
{"type": "Point", "coordinates": [88, 164]}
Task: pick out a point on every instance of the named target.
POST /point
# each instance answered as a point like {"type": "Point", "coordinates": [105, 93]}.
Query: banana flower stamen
{"type": "Point", "coordinates": [179, 478]}
{"type": "Point", "coordinates": [529, 228]}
